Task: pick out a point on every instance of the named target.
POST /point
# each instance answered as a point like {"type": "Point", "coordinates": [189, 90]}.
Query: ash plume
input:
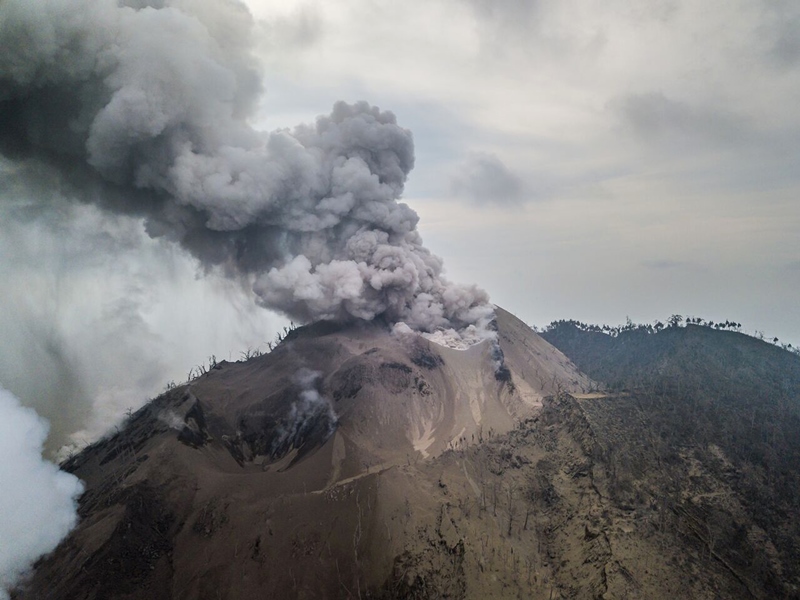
{"type": "Point", "coordinates": [145, 105]}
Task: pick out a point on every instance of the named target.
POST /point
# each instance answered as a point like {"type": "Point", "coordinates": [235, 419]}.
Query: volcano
{"type": "Point", "coordinates": [296, 473]}
{"type": "Point", "coordinates": [358, 461]}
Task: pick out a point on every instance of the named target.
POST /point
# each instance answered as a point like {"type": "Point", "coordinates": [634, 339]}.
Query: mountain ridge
{"type": "Point", "coordinates": [431, 477]}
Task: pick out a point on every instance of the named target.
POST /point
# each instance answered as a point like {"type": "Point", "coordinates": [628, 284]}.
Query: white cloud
{"type": "Point", "coordinates": [37, 501]}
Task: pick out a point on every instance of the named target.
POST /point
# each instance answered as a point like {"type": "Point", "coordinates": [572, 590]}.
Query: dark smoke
{"type": "Point", "coordinates": [145, 104]}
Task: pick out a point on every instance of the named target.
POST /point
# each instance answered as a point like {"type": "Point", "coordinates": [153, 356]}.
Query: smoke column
{"type": "Point", "coordinates": [143, 105]}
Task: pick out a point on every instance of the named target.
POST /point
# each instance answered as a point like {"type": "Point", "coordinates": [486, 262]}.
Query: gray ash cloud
{"type": "Point", "coordinates": [145, 106]}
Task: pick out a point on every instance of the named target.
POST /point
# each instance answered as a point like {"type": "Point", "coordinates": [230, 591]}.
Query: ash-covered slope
{"type": "Point", "coordinates": [288, 475]}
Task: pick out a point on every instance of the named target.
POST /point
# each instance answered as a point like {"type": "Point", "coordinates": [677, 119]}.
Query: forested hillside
{"type": "Point", "coordinates": [730, 400]}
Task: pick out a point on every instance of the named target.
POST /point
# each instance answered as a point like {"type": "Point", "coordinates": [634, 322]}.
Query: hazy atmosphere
{"type": "Point", "coordinates": [180, 179]}
{"type": "Point", "coordinates": [579, 161]}
{"type": "Point", "coordinates": [574, 161]}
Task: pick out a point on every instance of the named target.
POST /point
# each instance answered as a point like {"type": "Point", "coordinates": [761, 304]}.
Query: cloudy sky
{"type": "Point", "coordinates": [581, 160]}
{"type": "Point", "coordinates": [577, 159]}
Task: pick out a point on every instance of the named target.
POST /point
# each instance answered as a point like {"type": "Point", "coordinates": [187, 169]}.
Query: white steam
{"type": "Point", "coordinates": [310, 416]}
{"type": "Point", "coordinates": [172, 420]}
{"type": "Point", "coordinates": [310, 404]}
{"type": "Point", "coordinates": [38, 501]}
{"type": "Point", "coordinates": [147, 103]}
{"type": "Point", "coordinates": [96, 316]}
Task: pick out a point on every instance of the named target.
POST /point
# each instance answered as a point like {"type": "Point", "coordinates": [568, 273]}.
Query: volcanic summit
{"type": "Point", "coordinates": [305, 472]}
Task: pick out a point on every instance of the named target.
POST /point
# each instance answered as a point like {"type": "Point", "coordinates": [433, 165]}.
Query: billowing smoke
{"type": "Point", "coordinates": [145, 105]}
{"type": "Point", "coordinates": [37, 502]}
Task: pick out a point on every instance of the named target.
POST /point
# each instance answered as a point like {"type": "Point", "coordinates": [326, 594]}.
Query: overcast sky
{"type": "Point", "coordinates": [578, 159]}
{"type": "Point", "coordinates": [583, 160]}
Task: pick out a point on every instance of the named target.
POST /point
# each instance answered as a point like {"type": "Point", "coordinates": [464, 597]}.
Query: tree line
{"type": "Point", "coordinates": [673, 321]}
